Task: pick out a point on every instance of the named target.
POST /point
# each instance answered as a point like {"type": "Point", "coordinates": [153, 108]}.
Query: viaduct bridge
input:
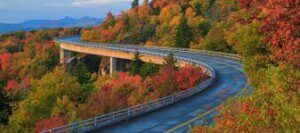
{"type": "Point", "coordinates": [169, 114]}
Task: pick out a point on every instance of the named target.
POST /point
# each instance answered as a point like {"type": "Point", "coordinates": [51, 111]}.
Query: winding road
{"type": "Point", "coordinates": [229, 81]}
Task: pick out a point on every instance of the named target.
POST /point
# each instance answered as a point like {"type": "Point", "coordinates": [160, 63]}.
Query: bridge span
{"type": "Point", "coordinates": [162, 115]}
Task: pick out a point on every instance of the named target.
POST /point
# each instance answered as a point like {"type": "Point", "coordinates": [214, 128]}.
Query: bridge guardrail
{"type": "Point", "coordinates": [206, 52]}
{"type": "Point", "coordinates": [111, 118]}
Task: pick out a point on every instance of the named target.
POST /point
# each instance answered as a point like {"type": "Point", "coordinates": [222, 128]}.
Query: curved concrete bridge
{"type": "Point", "coordinates": [229, 81]}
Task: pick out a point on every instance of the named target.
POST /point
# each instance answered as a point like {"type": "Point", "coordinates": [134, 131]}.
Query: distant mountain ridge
{"type": "Point", "coordinates": [48, 24]}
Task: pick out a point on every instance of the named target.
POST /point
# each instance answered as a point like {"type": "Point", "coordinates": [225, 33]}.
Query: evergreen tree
{"type": "Point", "coordinates": [81, 72]}
{"type": "Point", "coordinates": [5, 109]}
{"type": "Point", "coordinates": [184, 34]}
{"type": "Point", "coordinates": [137, 64]}
{"type": "Point", "coordinates": [197, 8]}
{"type": "Point", "coordinates": [148, 69]}
{"type": "Point", "coordinates": [170, 60]}
{"type": "Point", "coordinates": [134, 4]}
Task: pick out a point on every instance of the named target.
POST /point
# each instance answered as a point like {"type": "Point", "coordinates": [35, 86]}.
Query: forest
{"type": "Point", "coordinates": [265, 32]}
{"type": "Point", "coordinates": [37, 93]}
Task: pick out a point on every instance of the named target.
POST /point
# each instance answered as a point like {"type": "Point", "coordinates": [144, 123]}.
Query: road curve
{"type": "Point", "coordinates": [230, 79]}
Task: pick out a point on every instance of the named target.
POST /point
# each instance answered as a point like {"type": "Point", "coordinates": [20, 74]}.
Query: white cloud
{"type": "Point", "coordinates": [91, 2]}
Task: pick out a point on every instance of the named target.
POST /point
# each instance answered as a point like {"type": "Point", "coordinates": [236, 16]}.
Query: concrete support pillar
{"type": "Point", "coordinates": [64, 56]}
{"type": "Point", "coordinates": [112, 65]}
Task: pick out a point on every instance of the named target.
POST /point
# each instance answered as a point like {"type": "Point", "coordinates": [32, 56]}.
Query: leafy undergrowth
{"type": "Point", "coordinates": [128, 90]}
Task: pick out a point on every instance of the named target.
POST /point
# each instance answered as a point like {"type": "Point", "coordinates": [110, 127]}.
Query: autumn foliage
{"type": "Point", "coordinates": [49, 123]}
{"type": "Point", "coordinates": [264, 32]}
{"type": "Point", "coordinates": [187, 77]}
{"type": "Point", "coordinates": [128, 90]}
{"type": "Point", "coordinates": [24, 58]}
{"type": "Point", "coordinates": [281, 26]}
{"type": "Point", "coordinates": [11, 86]}
{"type": "Point", "coordinates": [268, 38]}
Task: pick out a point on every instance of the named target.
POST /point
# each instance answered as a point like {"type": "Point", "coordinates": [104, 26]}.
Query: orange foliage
{"type": "Point", "coordinates": [144, 11]}
{"type": "Point", "coordinates": [98, 103]}
{"type": "Point", "coordinates": [108, 35]}
{"type": "Point", "coordinates": [161, 3]}
{"type": "Point", "coordinates": [120, 27]}
{"type": "Point", "coordinates": [5, 61]}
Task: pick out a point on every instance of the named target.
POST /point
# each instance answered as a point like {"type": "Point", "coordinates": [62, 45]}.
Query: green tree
{"type": "Point", "coordinates": [197, 6]}
{"type": "Point", "coordinates": [81, 72]}
{"type": "Point", "coordinates": [147, 32]}
{"type": "Point", "coordinates": [14, 48]}
{"type": "Point", "coordinates": [136, 63]}
{"type": "Point", "coordinates": [134, 4]}
{"type": "Point", "coordinates": [85, 92]}
{"type": "Point", "coordinates": [148, 69]}
{"type": "Point", "coordinates": [41, 101]}
{"type": "Point", "coordinates": [42, 36]}
{"type": "Point", "coordinates": [5, 109]}
{"type": "Point", "coordinates": [204, 27]}
{"type": "Point", "coordinates": [64, 108]}
{"type": "Point", "coordinates": [51, 59]}
{"type": "Point", "coordinates": [216, 41]}
{"type": "Point", "coordinates": [170, 60]}
{"type": "Point", "coordinates": [184, 34]}
{"type": "Point", "coordinates": [247, 40]}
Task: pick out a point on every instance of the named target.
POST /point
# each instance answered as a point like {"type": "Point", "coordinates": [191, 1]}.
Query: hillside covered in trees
{"type": "Point", "coordinates": [265, 32]}
{"type": "Point", "coordinates": [37, 93]}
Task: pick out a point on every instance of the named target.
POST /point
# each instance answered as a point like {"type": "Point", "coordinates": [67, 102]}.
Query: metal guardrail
{"type": "Point", "coordinates": [105, 45]}
{"type": "Point", "coordinates": [114, 117]}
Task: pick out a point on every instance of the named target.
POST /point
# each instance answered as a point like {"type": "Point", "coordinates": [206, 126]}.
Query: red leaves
{"type": "Point", "coordinates": [108, 35]}
{"type": "Point", "coordinates": [280, 24]}
{"type": "Point", "coordinates": [49, 123]}
{"type": "Point", "coordinates": [124, 79]}
{"type": "Point", "coordinates": [25, 84]}
{"type": "Point", "coordinates": [127, 90]}
{"type": "Point", "coordinates": [97, 104]}
{"type": "Point", "coordinates": [280, 27]}
{"type": "Point", "coordinates": [165, 83]}
{"type": "Point", "coordinates": [120, 26]}
{"type": "Point", "coordinates": [5, 64]}
{"type": "Point", "coordinates": [112, 96]}
{"type": "Point", "coordinates": [11, 87]}
{"type": "Point", "coordinates": [189, 76]}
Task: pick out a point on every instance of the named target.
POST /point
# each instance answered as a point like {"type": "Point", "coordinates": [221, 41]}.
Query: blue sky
{"type": "Point", "coordinates": [13, 11]}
